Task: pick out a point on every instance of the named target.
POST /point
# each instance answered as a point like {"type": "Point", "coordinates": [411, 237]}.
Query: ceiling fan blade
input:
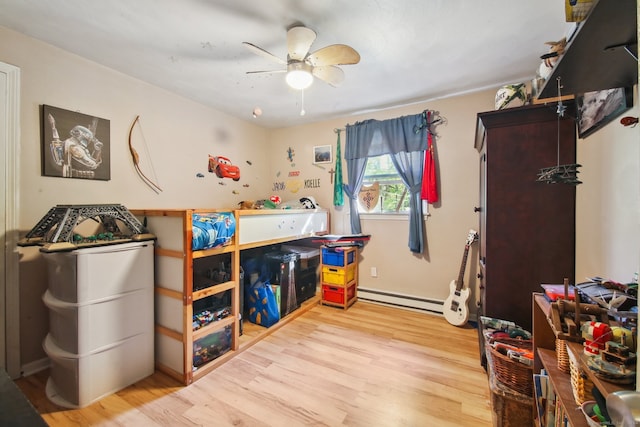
{"type": "Point", "coordinates": [299, 41]}
{"type": "Point", "coordinates": [267, 71]}
{"type": "Point", "coordinates": [330, 74]}
{"type": "Point", "coordinates": [259, 51]}
{"type": "Point", "coordinates": [335, 54]}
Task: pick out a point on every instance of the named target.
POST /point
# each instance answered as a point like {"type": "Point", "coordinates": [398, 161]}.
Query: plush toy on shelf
{"type": "Point", "coordinates": [549, 60]}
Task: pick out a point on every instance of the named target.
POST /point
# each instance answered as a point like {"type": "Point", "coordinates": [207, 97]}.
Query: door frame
{"type": "Point", "coordinates": [9, 230]}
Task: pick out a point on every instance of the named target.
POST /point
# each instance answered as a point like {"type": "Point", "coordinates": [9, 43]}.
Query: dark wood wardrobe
{"type": "Point", "coordinates": [526, 227]}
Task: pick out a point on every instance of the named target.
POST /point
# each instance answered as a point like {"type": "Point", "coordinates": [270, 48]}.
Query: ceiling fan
{"type": "Point", "coordinates": [302, 66]}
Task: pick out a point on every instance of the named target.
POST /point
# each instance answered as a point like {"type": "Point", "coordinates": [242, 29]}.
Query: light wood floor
{"type": "Point", "coordinates": [368, 366]}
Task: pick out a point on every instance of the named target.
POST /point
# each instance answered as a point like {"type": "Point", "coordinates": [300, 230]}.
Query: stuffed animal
{"type": "Point", "coordinates": [247, 204]}
{"type": "Point", "coordinates": [309, 202]}
{"type": "Point", "coordinates": [549, 60]}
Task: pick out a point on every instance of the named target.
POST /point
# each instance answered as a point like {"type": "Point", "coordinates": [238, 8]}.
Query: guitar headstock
{"type": "Point", "coordinates": [472, 237]}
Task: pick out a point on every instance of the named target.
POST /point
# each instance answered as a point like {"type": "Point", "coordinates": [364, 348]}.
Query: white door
{"type": "Point", "coordinates": [9, 284]}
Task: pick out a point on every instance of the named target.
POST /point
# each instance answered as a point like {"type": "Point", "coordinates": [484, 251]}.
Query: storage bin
{"type": "Point", "coordinates": [338, 276]}
{"type": "Point", "coordinates": [336, 256]}
{"type": "Point", "coordinates": [83, 328]}
{"type": "Point", "coordinates": [211, 346]}
{"type": "Point", "coordinates": [211, 309]}
{"type": "Point", "coordinates": [306, 285]}
{"type": "Point", "coordinates": [336, 294]}
{"type": "Point", "coordinates": [211, 271]}
{"type": "Point", "coordinates": [282, 268]}
{"type": "Point", "coordinates": [307, 270]}
{"type": "Point", "coordinates": [78, 380]}
{"type": "Point", "coordinates": [94, 273]}
{"type": "Point", "coordinates": [309, 257]}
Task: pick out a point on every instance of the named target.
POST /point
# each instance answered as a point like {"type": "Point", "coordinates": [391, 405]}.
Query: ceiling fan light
{"type": "Point", "coordinates": [299, 75]}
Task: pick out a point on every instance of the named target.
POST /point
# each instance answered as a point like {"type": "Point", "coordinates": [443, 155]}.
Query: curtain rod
{"type": "Point", "coordinates": [424, 124]}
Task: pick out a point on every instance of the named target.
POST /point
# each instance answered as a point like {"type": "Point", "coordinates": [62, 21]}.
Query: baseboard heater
{"type": "Point", "coordinates": [400, 300]}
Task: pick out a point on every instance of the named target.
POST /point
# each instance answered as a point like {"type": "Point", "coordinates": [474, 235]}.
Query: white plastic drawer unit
{"type": "Point", "coordinates": [101, 329]}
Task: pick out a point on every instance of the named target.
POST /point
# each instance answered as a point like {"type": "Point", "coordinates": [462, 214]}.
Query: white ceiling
{"type": "Point", "coordinates": [411, 50]}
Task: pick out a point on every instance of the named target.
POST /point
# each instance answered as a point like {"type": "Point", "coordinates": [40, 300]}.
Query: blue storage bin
{"type": "Point", "coordinates": [335, 256]}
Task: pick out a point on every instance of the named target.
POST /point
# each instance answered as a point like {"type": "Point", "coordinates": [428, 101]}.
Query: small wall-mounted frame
{"type": "Point", "coordinates": [75, 145]}
{"type": "Point", "coordinates": [322, 154]}
{"type": "Point", "coordinates": [596, 109]}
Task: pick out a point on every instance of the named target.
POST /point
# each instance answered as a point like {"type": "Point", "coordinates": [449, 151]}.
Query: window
{"type": "Point", "coordinates": [393, 196]}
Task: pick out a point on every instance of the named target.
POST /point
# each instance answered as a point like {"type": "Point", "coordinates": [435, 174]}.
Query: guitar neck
{"type": "Point", "coordinates": [463, 267]}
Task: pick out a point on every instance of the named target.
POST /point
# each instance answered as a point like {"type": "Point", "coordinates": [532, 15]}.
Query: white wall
{"type": "Point", "coordinates": [608, 202]}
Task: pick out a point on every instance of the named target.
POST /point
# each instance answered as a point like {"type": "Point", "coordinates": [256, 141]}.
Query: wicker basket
{"type": "Point", "coordinates": [510, 408]}
{"type": "Point", "coordinates": [581, 385]}
{"type": "Point", "coordinates": [515, 375]}
{"type": "Point", "coordinates": [562, 355]}
{"type": "Point", "coordinates": [509, 411]}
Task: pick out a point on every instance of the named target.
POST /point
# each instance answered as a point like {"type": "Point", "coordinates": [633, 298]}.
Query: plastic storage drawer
{"type": "Point", "coordinates": [336, 256]}
{"type": "Point", "coordinates": [336, 294]}
{"type": "Point", "coordinates": [118, 268]}
{"type": "Point", "coordinates": [338, 276]}
{"type": "Point", "coordinates": [79, 380]}
{"type": "Point", "coordinates": [82, 328]}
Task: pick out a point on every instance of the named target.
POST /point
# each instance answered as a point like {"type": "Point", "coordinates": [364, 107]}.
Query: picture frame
{"type": "Point", "coordinates": [596, 109]}
{"type": "Point", "coordinates": [322, 154]}
{"type": "Point", "coordinates": [74, 145]}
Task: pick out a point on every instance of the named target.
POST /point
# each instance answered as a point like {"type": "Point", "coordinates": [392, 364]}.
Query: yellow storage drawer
{"type": "Point", "coordinates": [338, 275]}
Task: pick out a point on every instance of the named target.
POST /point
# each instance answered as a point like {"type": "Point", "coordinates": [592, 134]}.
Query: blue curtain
{"type": "Point", "coordinates": [410, 167]}
{"type": "Point", "coordinates": [355, 175]}
{"type": "Point", "coordinates": [405, 139]}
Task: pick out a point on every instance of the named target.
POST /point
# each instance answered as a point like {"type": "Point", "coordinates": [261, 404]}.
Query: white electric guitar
{"type": "Point", "coordinates": [455, 308]}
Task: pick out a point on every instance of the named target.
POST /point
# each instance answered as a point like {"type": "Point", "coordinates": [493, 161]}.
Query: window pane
{"type": "Point", "coordinates": [393, 196]}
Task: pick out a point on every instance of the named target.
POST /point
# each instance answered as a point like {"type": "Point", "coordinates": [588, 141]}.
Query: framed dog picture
{"type": "Point", "coordinates": [75, 145]}
{"type": "Point", "coordinates": [596, 109]}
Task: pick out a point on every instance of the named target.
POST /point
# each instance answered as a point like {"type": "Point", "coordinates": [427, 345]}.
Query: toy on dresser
{"type": "Point", "coordinates": [609, 354]}
{"type": "Point", "coordinates": [615, 363]}
{"type": "Point", "coordinates": [618, 353]}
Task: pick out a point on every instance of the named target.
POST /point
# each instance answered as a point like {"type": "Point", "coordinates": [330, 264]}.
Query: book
{"type": "Point", "coordinates": [540, 385]}
{"type": "Point", "coordinates": [545, 400]}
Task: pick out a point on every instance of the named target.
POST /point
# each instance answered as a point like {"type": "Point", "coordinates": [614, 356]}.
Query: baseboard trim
{"type": "Point", "coordinates": [35, 367]}
{"type": "Point", "coordinates": [401, 300]}
{"type": "Point", "coordinates": [410, 302]}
